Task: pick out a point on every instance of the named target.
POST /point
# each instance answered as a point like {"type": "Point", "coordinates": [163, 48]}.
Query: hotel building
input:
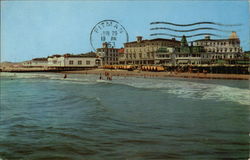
{"type": "Point", "coordinates": [108, 55]}
{"type": "Point", "coordinates": [146, 51]}
{"type": "Point", "coordinates": [186, 54]}
{"type": "Point", "coordinates": [220, 49]}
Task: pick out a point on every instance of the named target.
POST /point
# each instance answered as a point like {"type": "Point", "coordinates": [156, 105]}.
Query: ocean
{"type": "Point", "coordinates": [43, 116]}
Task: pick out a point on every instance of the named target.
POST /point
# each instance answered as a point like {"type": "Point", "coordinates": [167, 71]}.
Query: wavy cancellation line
{"type": "Point", "coordinates": [197, 23]}
{"type": "Point", "coordinates": [194, 35]}
{"type": "Point", "coordinates": [189, 30]}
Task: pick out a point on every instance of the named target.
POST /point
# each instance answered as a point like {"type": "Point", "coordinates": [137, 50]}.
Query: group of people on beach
{"type": "Point", "coordinates": [108, 76]}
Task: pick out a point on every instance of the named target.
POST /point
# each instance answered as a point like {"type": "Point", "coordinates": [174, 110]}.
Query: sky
{"type": "Point", "coordinates": [31, 29]}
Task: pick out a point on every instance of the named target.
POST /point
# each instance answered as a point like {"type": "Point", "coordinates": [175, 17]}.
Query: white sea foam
{"type": "Point", "coordinates": [195, 90]}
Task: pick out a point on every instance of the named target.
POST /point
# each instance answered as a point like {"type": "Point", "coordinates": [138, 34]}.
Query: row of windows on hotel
{"type": "Point", "coordinates": [151, 44]}
{"type": "Point", "coordinates": [198, 55]}
{"type": "Point", "coordinates": [112, 54]}
{"type": "Point", "coordinates": [111, 59]}
{"type": "Point", "coordinates": [224, 50]}
{"type": "Point", "coordinates": [184, 55]}
{"type": "Point", "coordinates": [208, 50]}
{"type": "Point", "coordinates": [177, 55]}
{"type": "Point", "coordinates": [79, 62]}
{"type": "Point", "coordinates": [217, 43]}
{"type": "Point", "coordinates": [140, 55]}
{"type": "Point", "coordinates": [145, 49]}
{"type": "Point", "coordinates": [109, 50]}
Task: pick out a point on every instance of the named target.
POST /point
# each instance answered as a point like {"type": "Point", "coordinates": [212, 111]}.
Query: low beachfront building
{"type": "Point", "coordinates": [144, 52]}
{"type": "Point", "coordinates": [69, 60]}
{"type": "Point", "coordinates": [36, 62]}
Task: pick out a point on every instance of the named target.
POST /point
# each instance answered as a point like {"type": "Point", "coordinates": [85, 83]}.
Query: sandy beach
{"type": "Point", "coordinates": [161, 74]}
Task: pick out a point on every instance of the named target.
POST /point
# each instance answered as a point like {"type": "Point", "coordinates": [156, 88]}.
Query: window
{"type": "Point", "coordinates": [71, 62]}
{"type": "Point", "coordinates": [140, 55]}
{"type": "Point", "coordinates": [79, 62]}
{"type": "Point", "coordinates": [87, 62]}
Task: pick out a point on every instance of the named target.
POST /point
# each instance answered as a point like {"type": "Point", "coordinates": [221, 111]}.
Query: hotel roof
{"type": "Point", "coordinates": [39, 59]}
{"type": "Point", "coordinates": [233, 36]}
{"type": "Point", "coordinates": [87, 55]}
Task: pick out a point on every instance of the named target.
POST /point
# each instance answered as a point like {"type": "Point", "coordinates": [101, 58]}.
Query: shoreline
{"type": "Point", "coordinates": [137, 73]}
{"type": "Point", "coordinates": [146, 74]}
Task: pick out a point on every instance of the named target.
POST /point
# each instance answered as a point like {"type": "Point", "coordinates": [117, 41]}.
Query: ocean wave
{"type": "Point", "coordinates": [81, 79]}
{"type": "Point", "coordinates": [181, 88]}
{"type": "Point", "coordinates": [194, 90]}
{"type": "Point", "coordinates": [28, 75]}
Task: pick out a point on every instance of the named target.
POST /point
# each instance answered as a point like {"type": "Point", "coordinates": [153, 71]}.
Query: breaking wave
{"type": "Point", "coordinates": [194, 90]}
{"type": "Point", "coordinates": [180, 88]}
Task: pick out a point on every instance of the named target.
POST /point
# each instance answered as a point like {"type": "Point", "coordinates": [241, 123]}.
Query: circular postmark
{"type": "Point", "coordinates": [109, 31]}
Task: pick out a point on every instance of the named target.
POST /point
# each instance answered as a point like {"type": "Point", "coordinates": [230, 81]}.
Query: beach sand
{"type": "Point", "coordinates": [146, 74]}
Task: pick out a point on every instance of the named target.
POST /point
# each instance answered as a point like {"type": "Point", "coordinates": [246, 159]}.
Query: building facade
{"type": "Point", "coordinates": [187, 55]}
{"type": "Point", "coordinates": [165, 56]}
{"type": "Point", "coordinates": [108, 55]}
{"type": "Point", "coordinates": [36, 62]}
{"type": "Point", "coordinates": [70, 60]}
{"type": "Point", "coordinates": [146, 51]}
{"type": "Point", "coordinates": [220, 49]}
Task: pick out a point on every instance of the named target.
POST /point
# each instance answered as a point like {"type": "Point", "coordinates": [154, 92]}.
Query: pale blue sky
{"type": "Point", "coordinates": [32, 29]}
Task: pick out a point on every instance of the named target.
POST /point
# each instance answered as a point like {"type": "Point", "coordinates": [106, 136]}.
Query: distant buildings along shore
{"type": "Point", "coordinates": [159, 51]}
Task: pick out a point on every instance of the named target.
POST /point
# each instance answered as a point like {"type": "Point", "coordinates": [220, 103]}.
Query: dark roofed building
{"type": "Point", "coordinates": [89, 54]}
{"type": "Point", "coordinates": [36, 62]}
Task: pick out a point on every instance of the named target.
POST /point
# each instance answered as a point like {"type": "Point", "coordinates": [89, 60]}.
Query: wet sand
{"type": "Point", "coordinates": [147, 74]}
